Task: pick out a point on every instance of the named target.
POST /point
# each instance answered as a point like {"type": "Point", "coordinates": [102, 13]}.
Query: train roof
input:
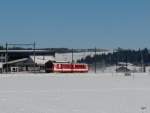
{"type": "Point", "coordinates": [68, 63]}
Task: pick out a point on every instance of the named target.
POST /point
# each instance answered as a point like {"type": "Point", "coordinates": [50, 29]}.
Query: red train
{"type": "Point", "coordinates": [66, 67]}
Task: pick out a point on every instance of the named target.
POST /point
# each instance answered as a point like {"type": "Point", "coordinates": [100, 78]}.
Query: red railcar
{"type": "Point", "coordinates": [66, 67]}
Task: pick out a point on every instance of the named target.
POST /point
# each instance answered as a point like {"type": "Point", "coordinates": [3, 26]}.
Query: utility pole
{"type": "Point", "coordinates": [34, 55]}
{"type": "Point", "coordinates": [126, 63]}
{"type": "Point", "coordinates": [116, 60]}
{"type": "Point", "coordinates": [142, 62]}
{"type": "Point", "coordinates": [6, 57]}
{"type": "Point", "coordinates": [72, 56]}
{"type": "Point", "coordinates": [72, 61]}
{"type": "Point", "coordinates": [95, 65]}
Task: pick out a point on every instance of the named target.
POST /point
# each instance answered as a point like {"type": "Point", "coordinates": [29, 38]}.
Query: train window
{"type": "Point", "coordinates": [66, 66]}
{"type": "Point", "coordinates": [57, 66]}
{"type": "Point", "coordinates": [80, 66]}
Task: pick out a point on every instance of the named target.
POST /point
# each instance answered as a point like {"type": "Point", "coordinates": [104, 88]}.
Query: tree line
{"type": "Point", "coordinates": [136, 57]}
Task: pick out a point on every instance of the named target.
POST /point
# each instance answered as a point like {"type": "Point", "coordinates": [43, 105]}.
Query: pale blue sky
{"type": "Point", "coordinates": [76, 23]}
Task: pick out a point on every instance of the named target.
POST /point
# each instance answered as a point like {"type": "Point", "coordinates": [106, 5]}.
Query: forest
{"type": "Point", "coordinates": [136, 57]}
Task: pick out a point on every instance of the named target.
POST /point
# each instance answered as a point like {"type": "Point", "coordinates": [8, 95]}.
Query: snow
{"type": "Point", "coordinates": [77, 56]}
{"type": "Point", "coordinates": [65, 57]}
{"type": "Point", "coordinates": [75, 93]}
{"type": "Point", "coordinates": [41, 60]}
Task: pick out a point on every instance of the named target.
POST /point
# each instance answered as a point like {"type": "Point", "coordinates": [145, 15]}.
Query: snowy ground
{"type": "Point", "coordinates": [75, 93]}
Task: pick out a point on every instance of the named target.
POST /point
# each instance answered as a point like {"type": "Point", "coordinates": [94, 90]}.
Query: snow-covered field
{"type": "Point", "coordinates": [75, 93]}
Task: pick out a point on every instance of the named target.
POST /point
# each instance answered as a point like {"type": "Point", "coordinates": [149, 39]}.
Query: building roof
{"type": "Point", "coordinates": [124, 64]}
{"type": "Point", "coordinates": [16, 61]}
{"type": "Point", "coordinates": [41, 60]}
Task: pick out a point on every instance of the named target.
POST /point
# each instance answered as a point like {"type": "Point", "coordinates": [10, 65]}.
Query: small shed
{"type": "Point", "coordinates": [123, 69]}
